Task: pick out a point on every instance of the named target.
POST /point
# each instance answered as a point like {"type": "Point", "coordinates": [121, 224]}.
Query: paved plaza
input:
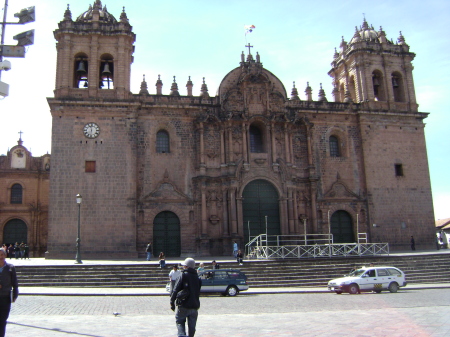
{"type": "Point", "coordinates": [407, 313]}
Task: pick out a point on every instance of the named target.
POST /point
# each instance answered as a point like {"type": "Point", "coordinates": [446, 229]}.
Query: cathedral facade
{"type": "Point", "coordinates": [192, 174]}
{"type": "Point", "coordinates": [24, 199]}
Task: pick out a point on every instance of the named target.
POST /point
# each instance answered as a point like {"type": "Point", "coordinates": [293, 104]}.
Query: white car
{"type": "Point", "coordinates": [369, 279]}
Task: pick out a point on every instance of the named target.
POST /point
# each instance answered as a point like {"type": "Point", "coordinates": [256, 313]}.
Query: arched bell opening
{"type": "Point", "coordinates": [81, 70]}
{"type": "Point", "coordinates": [378, 86]}
{"type": "Point", "coordinates": [106, 80]}
{"type": "Point", "coordinates": [397, 87]}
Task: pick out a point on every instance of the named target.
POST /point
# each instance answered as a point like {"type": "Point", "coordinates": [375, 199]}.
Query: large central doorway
{"type": "Point", "coordinates": [14, 231]}
{"type": "Point", "coordinates": [260, 199]}
{"type": "Point", "coordinates": [342, 227]}
{"type": "Point", "coordinates": [166, 234]}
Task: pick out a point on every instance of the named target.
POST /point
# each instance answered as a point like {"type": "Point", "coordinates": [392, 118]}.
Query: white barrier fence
{"type": "Point", "coordinates": [288, 246]}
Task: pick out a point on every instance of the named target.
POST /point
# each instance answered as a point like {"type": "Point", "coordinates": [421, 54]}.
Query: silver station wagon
{"type": "Point", "coordinates": [225, 281]}
{"type": "Point", "coordinates": [369, 279]}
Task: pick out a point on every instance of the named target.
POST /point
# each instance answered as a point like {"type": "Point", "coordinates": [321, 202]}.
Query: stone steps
{"type": "Point", "coordinates": [433, 268]}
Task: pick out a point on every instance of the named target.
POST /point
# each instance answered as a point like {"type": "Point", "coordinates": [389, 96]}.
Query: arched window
{"type": "Point", "coordinates": [16, 194]}
{"type": "Point", "coordinates": [378, 86]}
{"type": "Point", "coordinates": [162, 142]}
{"type": "Point", "coordinates": [106, 72]}
{"type": "Point", "coordinates": [81, 71]}
{"type": "Point", "coordinates": [256, 140]}
{"type": "Point", "coordinates": [334, 147]}
{"type": "Point", "coordinates": [397, 87]}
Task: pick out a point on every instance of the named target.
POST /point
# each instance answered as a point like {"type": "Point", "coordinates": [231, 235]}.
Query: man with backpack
{"type": "Point", "coordinates": [186, 294]}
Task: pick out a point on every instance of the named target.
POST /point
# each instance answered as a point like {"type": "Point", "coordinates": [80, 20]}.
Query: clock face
{"type": "Point", "coordinates": [91, 130]}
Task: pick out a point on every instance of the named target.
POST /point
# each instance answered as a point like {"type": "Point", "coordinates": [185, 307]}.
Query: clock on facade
{"type": "Point", "coordinates": [91, 130]}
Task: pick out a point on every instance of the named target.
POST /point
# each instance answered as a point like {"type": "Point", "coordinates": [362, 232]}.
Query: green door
{"type": "Point", "coordinates": [15, 231]}
{"type": "Point", "coordinates": [166, 234]}
{"type": "Point", "coordinates": [342, 227]}
{"type": "Point", "coordinates": [260, 199]}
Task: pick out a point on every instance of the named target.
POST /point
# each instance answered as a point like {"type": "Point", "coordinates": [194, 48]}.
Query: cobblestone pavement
{"type": "Point", "coordinates": [407, 313]}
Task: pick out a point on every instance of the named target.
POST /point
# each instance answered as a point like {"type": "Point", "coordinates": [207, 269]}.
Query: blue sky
{"type": "Point", "coordinates": [199, 38]}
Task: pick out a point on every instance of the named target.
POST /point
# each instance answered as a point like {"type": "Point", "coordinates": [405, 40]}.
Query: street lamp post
{"type": "Point", "coordinates": [78, 257]}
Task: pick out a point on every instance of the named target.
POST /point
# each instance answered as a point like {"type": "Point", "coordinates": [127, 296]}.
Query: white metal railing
{"type": "Point", "coordinates": [318, 245]}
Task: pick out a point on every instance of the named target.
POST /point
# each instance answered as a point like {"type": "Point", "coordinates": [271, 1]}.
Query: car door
{"type": "Point", "coordinates": [207, 278]}
{"type": "Point", "coordinates": [221, 281]}
{"type": "Point", "coordinates": [384, 279]}
{"type": "Point", "coordinates": [368, 280]}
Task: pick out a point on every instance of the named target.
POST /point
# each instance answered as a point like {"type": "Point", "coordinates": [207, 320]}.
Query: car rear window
{"type": "Point", "coordinates": [382, 272]}
{"type": "Point", "coordinates": [394, 272]}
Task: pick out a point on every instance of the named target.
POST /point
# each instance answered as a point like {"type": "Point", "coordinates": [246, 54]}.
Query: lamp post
{"type": "Point", "coordinates": [78, 257]}
{"type": "Point", "coordinates": [304, 218]}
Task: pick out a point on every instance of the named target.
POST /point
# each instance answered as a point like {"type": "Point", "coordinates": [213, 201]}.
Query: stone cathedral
{"type": "Point", "coordinates": [193, 173]}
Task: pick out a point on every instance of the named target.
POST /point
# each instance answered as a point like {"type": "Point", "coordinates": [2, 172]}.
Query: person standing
{"type": "Point", "coordinates": [187, 308]}
{"type": "Point", "coordinates": [162, 260]}
{"type": "Point", "coordinates": [9, 290]}
{"type": "Point", "coordinates": [26, 252]}
{"type": "Point", "coordinates": [239, 257]}
{"type": "Point", "coordinates": [201, 268]}
{"type": "Point", "coordinates": [148, 250]}
{"type": "Point", "coordinates": [173, 276]}
{"type": "Point", "coordinates": [215, 265]}
{"type": "Point", "coordinates": [16, 250]}
{"type": "Point", "coordinates": [235, 249]}
{"type": "Point", "coordinates": [413, 243]}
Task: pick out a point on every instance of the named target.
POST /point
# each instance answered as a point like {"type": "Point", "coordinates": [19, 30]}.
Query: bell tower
{"type": "Point", "coordinates": [371, 68]}
{"type": "Point", "coordinates": [94, 54]}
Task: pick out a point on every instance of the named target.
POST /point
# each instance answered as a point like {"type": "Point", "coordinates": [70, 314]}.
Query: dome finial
{"type": "Point", "coordinates": [68, 14]}
{"type": "Point", "coordinates": [189, 86]}
{"type": "Point", "coordinates": [204, 90]}
{"type": "Point", "coordinates": [322, 97]}
{"type": "Point", "coordinates": [123, 16]}
{"type": "Point", "coordinates": [308, 92]}
{"type": "Point", "coordinates": [174, 88]}
{"type": "Point", "coordinates": [159, 85]}
{"type": "Point", "coordinates": [144, 87]}
{"type": "Point", "coordinates": [294, 93]}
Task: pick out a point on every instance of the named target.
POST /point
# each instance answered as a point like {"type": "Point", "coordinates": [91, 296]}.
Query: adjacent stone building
{"type": "Point", "coordinates": [193, 173]}
{"type": "Point", "coordinates": [24, 182]}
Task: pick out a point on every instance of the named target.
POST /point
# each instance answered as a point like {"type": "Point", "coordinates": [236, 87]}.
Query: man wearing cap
{"type": "Point", "coordinates": [187, 308]}
{"type": "Point", "coordinates": [9, 290]}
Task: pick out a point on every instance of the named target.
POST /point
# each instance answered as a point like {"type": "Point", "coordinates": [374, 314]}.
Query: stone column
{"type": "Point", "coordinates": [244, 143]}
{"type": "Point", "coordinates": [202, 146]}
{"type": "Point", "coordinates": [225, 222]}
{"type": "Point", "coordinates": [233, 211]}
{"type": "Point", "coordinates": [291, 211]}
{"type": "Point", "coordinates": [222, 147]}
{"type": "Point", "coordinates": [204, 219]}
{"type": "Point", "coordinates": [273, 143]}
{"type": "Point", "coordinates": [283, 216]}
{"type": "Point", "coordinates": [286, 145]}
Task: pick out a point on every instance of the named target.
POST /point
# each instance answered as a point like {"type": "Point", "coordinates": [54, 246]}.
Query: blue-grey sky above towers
{"type": "Point", "coordinates": [204, 38]}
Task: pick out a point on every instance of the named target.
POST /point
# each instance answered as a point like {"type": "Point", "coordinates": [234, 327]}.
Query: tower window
{"type": "Point", "coordinates": [89, 166]}
{"type": "Point", "coordinates": [16, 194]}
{"type": "Point", "coordinates": [334, 147]}
{"type": "Point", "coordinates": [81, 72]}
{"type": "Point", "coordinates": [106, 72]}
{"type": "Point", "coordinates": [256, 140]}
{"type": "Point", "coordinates": [397, 87]}
{"type": "Point", "coordinates": [398, 170]}
{"type": "Point", "coordinates": [162, 142]}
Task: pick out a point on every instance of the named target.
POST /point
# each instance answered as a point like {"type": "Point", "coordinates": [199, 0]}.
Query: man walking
{"type": "Point", "coordinates": [9, 290]}
{"type": "Point", "coordinates": [148, 250]}
{"type": "Point", "coordinates": [186, 293]}
{"type": "Point", "coordinates": [235, 249]}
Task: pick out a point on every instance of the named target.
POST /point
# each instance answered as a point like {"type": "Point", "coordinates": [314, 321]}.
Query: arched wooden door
{"type": "Point", "coordinates": [260, 199]}
{"type": "Point", "coordinates": [14, 231]}
{"type": "Point", "coordinates": [166, 234]}
{"type": "Point", "coordinates": [342, 227]}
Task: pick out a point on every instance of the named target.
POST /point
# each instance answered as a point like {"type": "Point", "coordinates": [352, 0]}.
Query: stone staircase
{"type": "Point", "coordinates": [432, 268]}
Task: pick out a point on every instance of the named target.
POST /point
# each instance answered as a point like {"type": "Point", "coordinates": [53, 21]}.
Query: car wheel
{"type": "Point", "coordinates": [393, 287]}
{"type": "Point", "coordinates": [338, 292]}
{"type": "Point", "coordinates": [353, 288]}
{"type": "Point", "coordinates": [232, 291]}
